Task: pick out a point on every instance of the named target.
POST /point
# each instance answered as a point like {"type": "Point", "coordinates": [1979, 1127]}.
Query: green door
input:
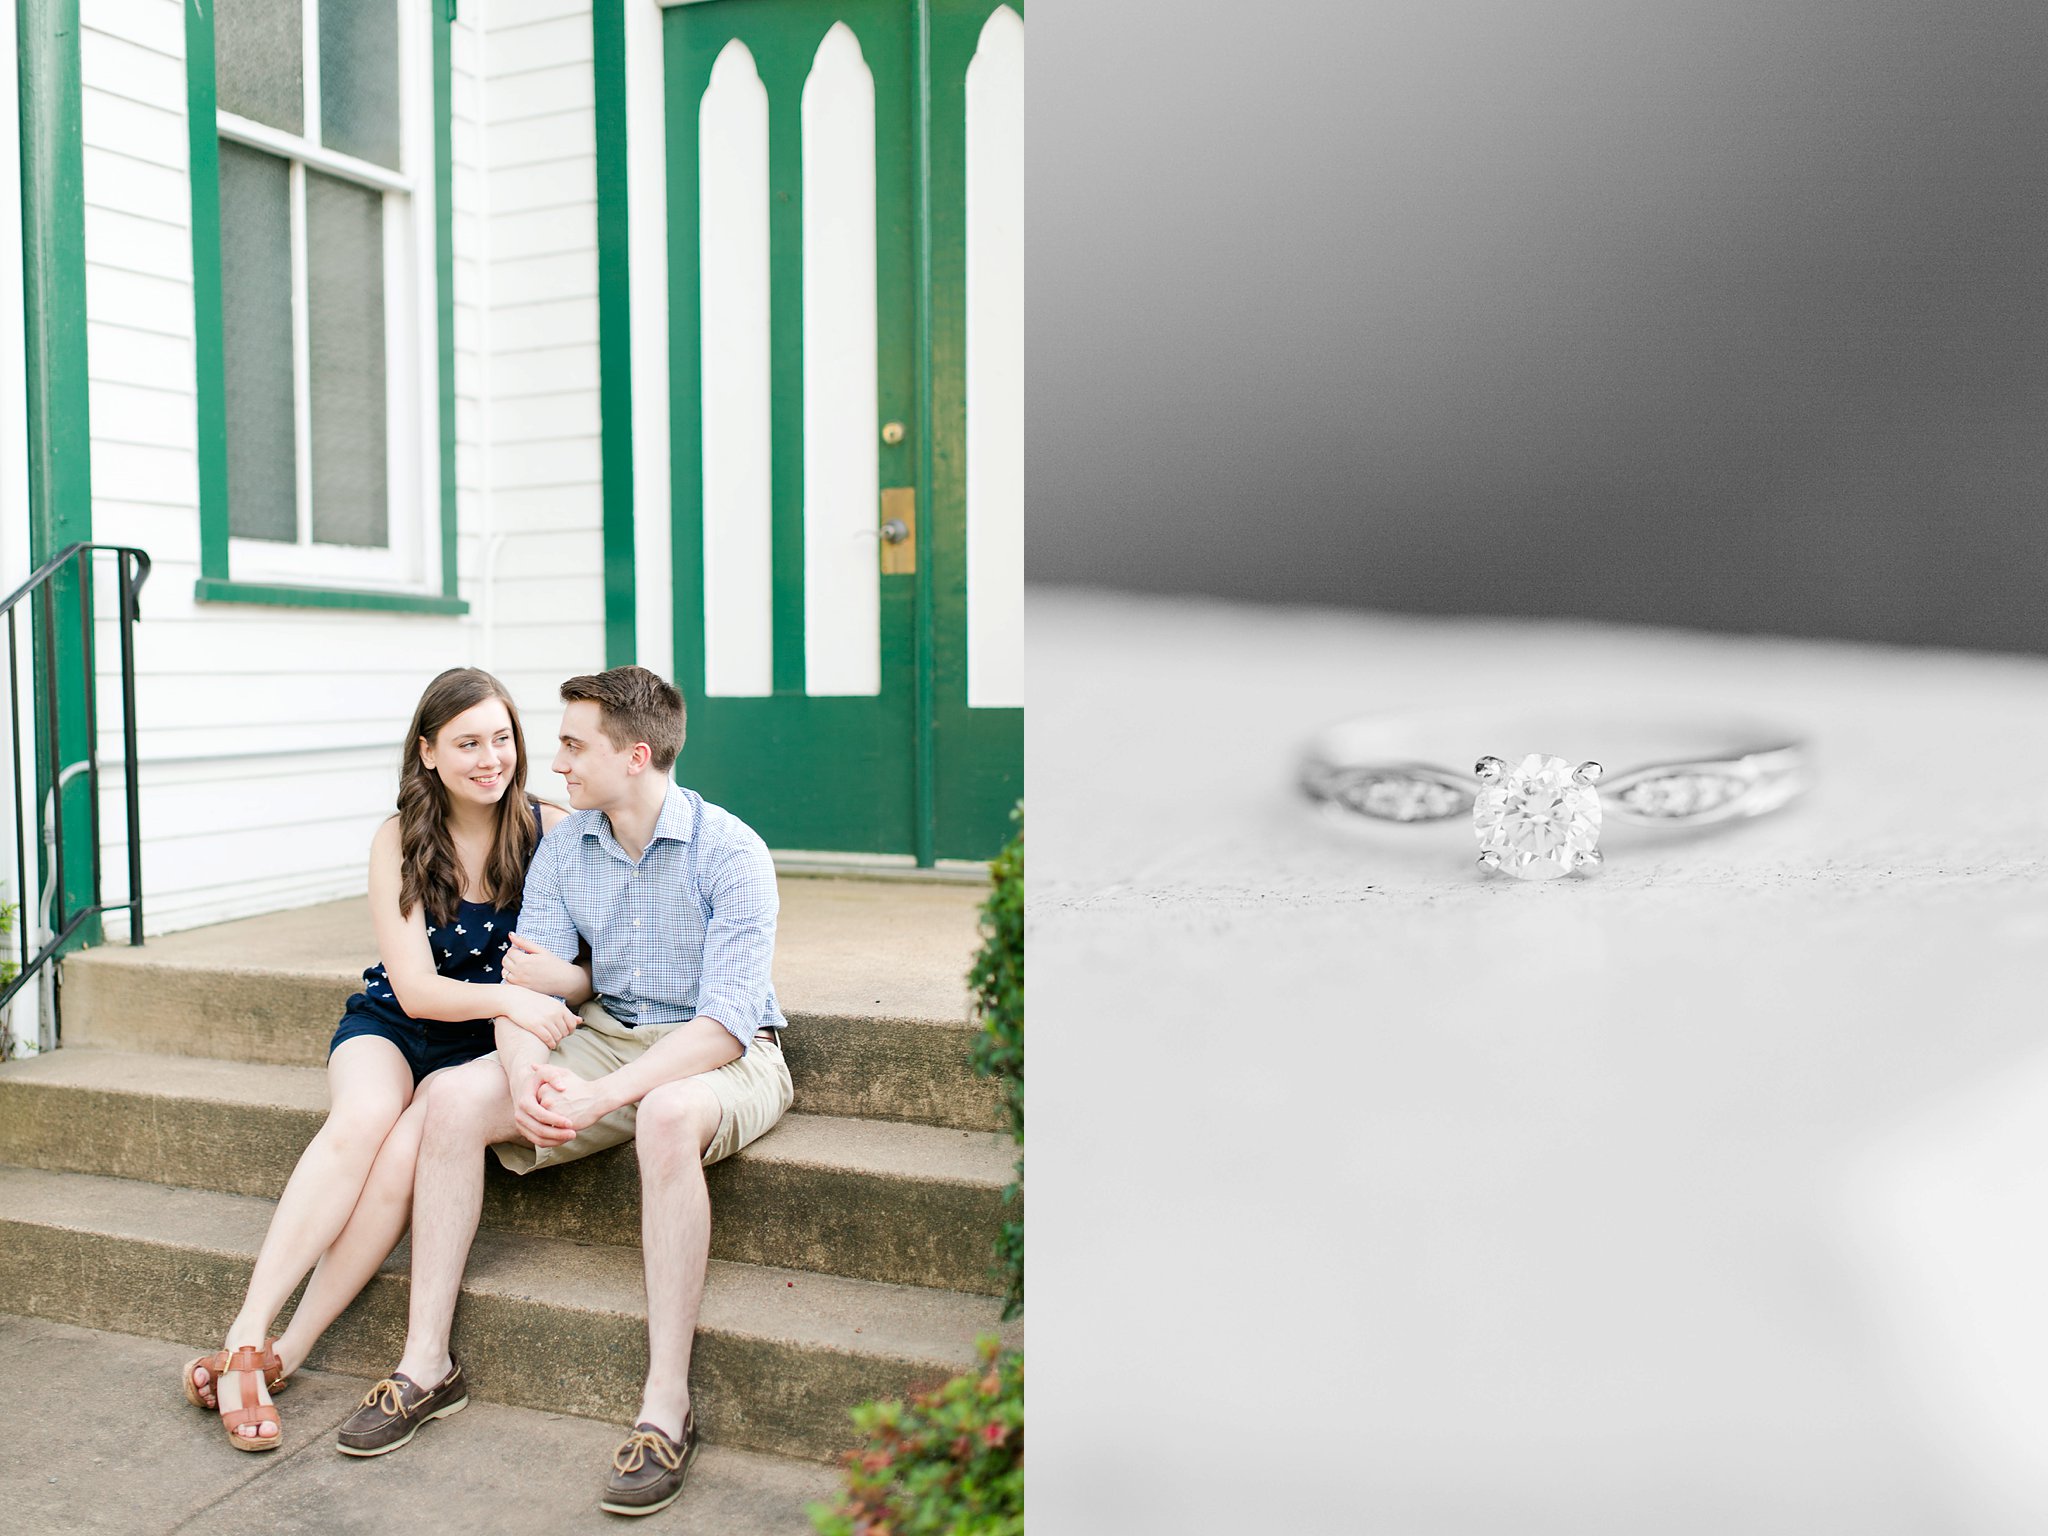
{"type": "Point", "coordinates": [820, 528]}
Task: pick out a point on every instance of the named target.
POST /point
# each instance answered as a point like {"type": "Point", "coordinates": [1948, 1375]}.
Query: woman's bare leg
{"type": "Point", "coordinates": [369, 1087]}
{"type": "Point", "coordinates": [374, 1228]}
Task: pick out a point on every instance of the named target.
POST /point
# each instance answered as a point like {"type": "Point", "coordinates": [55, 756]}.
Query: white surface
{"type": "Point", "coordinates": [732, 233]}
{"type": "Point", "coordinates": [995, 364]}
{"type": "Point", "coordinates": [1369, 1193]}
{"type": "Point", "coordinates": [647, 232]}
{"type": "Point", "coordinates": [528, 461]}
{"type": "Point", "coordinates": [842, 459]}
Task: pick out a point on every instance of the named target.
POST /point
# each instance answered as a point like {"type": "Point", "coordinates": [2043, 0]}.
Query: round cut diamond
{"type": "Point", "coordinates": [1537, 818]}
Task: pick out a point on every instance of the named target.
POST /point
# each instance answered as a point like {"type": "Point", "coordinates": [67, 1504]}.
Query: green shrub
{"type": "Point", "coordinates": [948, 1463]}
{"type": "Point", "coordinates": [997, 983]}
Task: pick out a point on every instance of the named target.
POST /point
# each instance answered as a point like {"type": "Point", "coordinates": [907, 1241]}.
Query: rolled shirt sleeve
{"type": "Point", "coordinates": [739, 943]}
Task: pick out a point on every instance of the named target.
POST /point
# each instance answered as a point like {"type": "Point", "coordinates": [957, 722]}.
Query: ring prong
{"type": "Point", "coordinates": [1489, 859]}
{"type": "Point", "coordinates": [1589, 862]}
{"type": "Point", "coordinates": [1587, 773]}
{"type": "Point", "coordinates": [1489, 769]}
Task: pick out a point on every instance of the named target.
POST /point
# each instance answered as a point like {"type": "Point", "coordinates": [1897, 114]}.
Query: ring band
{"type": "Point", "coordinates": [1540, 816]}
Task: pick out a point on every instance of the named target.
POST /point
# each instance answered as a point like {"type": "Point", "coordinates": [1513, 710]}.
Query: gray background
{"type": "Point", "coordinates": [1725, 314]}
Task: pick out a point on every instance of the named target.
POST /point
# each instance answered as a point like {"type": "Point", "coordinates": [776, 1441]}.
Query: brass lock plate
{"type": "Point", "coordinates": [899, 504]}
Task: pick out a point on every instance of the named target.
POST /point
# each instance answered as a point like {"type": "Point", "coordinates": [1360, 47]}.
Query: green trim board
{"type": "Point", "coordinates": [614, 327]}
{"type": "Point", "coordinates": [924, 749]}
{"type": "Point", "coordinates": [208, 345]}
{"type": "Point", "coordinates": [59, 426]}
{"type": "Point", "coordinates": [978, 754]}
{"type": "Point", "coordinates": [213, 589]}
{"type": "Point", "coordinates": [444, 283]}
{"type": "Point", "coordinates": [216, 583]}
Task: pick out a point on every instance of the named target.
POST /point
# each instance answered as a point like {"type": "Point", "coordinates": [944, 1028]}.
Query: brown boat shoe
{"type": "Point", "coordinates": [392, 1412]}
{"type": "Point", "coordinates": [648, 1470]}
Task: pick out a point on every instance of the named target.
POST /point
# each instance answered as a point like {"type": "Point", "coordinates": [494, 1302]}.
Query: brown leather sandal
{"type": "Point", "coordinates": [274, 1376]}
{"type": "Point", "coordinates": [249, 1363]}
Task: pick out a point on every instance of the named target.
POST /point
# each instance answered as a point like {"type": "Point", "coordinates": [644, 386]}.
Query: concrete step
{"type": "Point", "coordinates": [492, 1467]}
{"type": "Point", "coordinates": [872, 975]}
{"type": "Point", "coordinates": [872, 1199]}
{"type": "Point", "coordinates": [543, 1323]}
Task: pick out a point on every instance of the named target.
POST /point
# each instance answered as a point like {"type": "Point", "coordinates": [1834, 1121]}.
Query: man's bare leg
{"type": "Point", "coordinates": [675, 1124]}
{"type": "Point", "coordinates": [465, 1114]}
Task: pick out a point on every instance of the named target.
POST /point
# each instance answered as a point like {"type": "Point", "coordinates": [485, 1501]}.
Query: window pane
{"type": "Point", "coordinates": [345, 324]}
{"type": "Point", "coordinates": [256, 341]}
{"type": "Point", "coordinates": [359, 79]}
{"type": "Point", "coordinates": [257, 66]}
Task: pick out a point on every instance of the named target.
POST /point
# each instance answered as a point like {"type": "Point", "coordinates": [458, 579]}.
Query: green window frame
{"type": "Point", "coordinates": [216, 582]}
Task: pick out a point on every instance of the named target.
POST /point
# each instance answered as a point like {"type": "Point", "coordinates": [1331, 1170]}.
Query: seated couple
{"type": "Point", "coordinates": [483, 1028]}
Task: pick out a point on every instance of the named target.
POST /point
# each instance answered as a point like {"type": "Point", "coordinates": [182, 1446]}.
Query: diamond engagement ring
{"type": "Point", "coordinates": [1540, 816]}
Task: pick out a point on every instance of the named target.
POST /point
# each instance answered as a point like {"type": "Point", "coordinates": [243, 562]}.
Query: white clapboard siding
{"type": "Point", "coordinates": [543, 540]}
{"type": "Point", "coordinates": [544, 232]}
{"type": "Point", "coordinates": [558, 413]}
{"type": "Point", "coordinates": [541, 279]}
{"type": "Point", "coordinates": [568, 183]}
{"type": "Point", "coordinates": [268, 737]}
{"type": "Point", "coordinates": [544, 371]}
{"type": "Point", "coordinates": [520, 48]}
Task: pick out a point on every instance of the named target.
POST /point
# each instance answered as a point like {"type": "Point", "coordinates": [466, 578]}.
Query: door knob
{"type": "Point", "coordinates": [895, 531]}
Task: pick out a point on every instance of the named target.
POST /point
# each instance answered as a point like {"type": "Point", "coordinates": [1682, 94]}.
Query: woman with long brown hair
{"type": "Point", "coordinates": [445, 880]}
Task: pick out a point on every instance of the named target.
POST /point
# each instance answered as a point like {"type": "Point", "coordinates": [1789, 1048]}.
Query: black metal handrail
{"type": "Point", "coordinates": [64, 924]}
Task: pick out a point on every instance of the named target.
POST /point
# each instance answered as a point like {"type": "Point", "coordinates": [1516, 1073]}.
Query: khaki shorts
{"type": "Point", "coordinates": [752, 1092]}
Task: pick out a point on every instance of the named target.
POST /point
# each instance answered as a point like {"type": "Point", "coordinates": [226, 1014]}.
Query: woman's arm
{"type": "Point", "coordinates": [421, 990]}
{"type": "Point", "coordinates": [529, 965]}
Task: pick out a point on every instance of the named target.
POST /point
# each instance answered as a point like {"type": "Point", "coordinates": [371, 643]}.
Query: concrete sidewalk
{"type": "Point", "coordinates": [100, 1439]}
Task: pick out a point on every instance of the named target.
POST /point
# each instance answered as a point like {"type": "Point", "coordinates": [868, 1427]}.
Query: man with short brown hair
{"type": "Point", "coordinates": [635, 704]}
{"type": "Point", "coordinates": [679, 1052]}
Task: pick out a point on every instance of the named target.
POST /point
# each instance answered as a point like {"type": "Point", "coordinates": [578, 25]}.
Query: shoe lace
{"type": "Point", "coordinates": [632, 1456]}
{"type": "Point", "coordinates": [385, 1398]}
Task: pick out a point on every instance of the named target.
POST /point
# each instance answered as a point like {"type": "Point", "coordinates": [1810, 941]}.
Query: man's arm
{"type": "Point", "coordinates": [739, 951]}
{"type": "Point", "coordinates": [702, 1045]}
{"type": "Point", "coordinates": [544, 917]}
{"type": "Point", "coordinates": [522, 1056]}
{"type": "Point", "coordinates": [739, 942]}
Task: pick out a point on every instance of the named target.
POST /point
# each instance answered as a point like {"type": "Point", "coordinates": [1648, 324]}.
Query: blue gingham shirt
{"type": "Point", "coordinates": [688, 928]}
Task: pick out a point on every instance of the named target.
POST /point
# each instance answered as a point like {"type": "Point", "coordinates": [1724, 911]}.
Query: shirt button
{"type": "Point", "coordinates": [636, 973]}
{"type": "Point", "coordinates": [636, 922]}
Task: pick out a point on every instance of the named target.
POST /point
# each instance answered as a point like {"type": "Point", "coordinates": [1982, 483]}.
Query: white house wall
{"type": "Point", "coordinates": [268, 736]}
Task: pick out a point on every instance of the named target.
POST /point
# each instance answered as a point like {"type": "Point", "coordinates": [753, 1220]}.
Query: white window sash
{"type": "Point", "coordinates": [411, 560]}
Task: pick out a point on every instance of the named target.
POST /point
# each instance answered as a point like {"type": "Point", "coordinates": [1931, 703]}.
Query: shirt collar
{"type": "Point", "coordinates": [677, 822]}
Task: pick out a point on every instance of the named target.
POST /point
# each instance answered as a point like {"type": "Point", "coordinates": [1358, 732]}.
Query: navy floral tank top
{"type": "Point", "coordinates": [470, 946]}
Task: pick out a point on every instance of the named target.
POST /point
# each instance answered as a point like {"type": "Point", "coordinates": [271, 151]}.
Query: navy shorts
{"type": "Point", "coordinates": [445, 1045]}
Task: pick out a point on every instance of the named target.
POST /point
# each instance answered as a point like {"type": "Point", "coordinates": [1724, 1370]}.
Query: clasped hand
{"type": "Point", "coordinates": [553, 1104]}
{"type": "Point", "coordinates": [539, 970]}
{"type": "Point", "coordinates": [546, 1018]}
